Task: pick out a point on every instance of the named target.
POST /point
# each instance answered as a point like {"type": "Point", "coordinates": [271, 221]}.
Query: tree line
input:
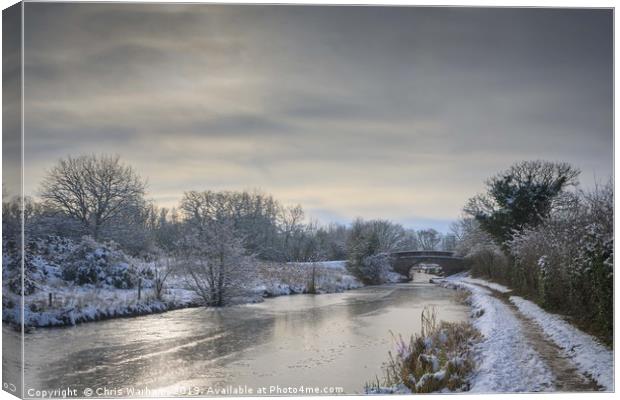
{"type": "Point", "coordinates": [536, 231]}
{"type": "Point", "coordinates": [216, 235]}
{"type": "Point", "coordinates": [532, 229]}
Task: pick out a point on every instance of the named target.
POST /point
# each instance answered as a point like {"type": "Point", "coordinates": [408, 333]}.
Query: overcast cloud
{"type": "Point", "coordinates": [396, 113]}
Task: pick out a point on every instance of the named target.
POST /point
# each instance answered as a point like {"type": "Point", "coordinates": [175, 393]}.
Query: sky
{"type": "Point", "coordinates": [373, 112]}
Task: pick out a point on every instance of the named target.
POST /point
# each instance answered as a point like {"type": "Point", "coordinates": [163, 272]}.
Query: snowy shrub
{"type": "Point", "coordinates": [543, 257]}
{"type": "Point", "coordinates": [36, 269]}
{"type": "Point", "coordinates": [55, 249]}
{"type": "Point", "coordinates": [440, 357]}
{"type": "Point", "coordinates": [481, 254]}
{"type": "Point", "coordinates": [95, 263]}
{"type": "Point", "coordinates": [368, 246]}
{"type": "Point", "coordinates": [487, 259]}
{"type": "Point", "coordinates": [564, 262]}
{"type": "Point", "coordinates": [216, 265]}
{"type": "Point", "coordinates": [592, 279]}
{"type": "Point", "coordinates": [594, 269]}
{"type": "Point", "coordinates": [371, 270]}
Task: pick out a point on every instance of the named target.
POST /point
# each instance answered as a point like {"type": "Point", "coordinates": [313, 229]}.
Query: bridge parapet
{"type": "Point", "coordinates": [424, 253]}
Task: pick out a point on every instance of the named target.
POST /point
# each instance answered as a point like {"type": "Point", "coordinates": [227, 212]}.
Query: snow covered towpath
{"type": "Point", "coordinates": [589, 356]}
{"type": "Point", "coordinates": [526, 349]}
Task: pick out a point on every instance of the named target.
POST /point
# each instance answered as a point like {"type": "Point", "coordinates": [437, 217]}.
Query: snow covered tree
{"type": "Point", "coordinates": [592, 275]}
{"type": "Point", "coordinates": [92, 189]}
{"type": "Point", "coordinates": [564, 262]}
{"type": "Point", "coordinates": [95, 263]}
{"type": "Point", "coordinates": [521, 196]}
{"type": "Point", "coordinates": [482, 255]}
{"type": "Point", "coordinates": [369, 244]}
{"type": "Point", "coordinates": [216, 265]}
{"type": "Point", "coordinates": [375, 269]}
{"type": "Point", "coordinates": [254, 217]}
{"type": "Point", "coordinates": [333, 239]}
{"type": "Point", "coordinates": [593, 278]}
{"type": "Point", "coordinates": [12, 271]}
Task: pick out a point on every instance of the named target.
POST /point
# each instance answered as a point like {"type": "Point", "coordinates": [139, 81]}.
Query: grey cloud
{"type": "Point", "coordinates": [274, 96]}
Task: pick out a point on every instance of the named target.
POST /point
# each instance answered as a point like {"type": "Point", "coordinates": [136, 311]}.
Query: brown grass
{"type": "Point", "coordinates": [437, 358]}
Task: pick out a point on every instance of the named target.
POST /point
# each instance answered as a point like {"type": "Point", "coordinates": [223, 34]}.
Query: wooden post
{"type": "Point", "coordinates": [314, 278]}
{"type": "Point", "coordinates": [312, 288]}
{"type": "Point", "coordinates": [50, 299]}
{"type": "Point", "coordinates": [139, 288]}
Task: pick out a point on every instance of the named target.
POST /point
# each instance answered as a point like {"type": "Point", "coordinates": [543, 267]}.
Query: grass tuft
{"type": "Point", "coordinates": [439, 358]}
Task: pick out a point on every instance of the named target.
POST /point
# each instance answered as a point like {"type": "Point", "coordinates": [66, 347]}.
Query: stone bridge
{"type": "Point", "coordinates": [450, 264]}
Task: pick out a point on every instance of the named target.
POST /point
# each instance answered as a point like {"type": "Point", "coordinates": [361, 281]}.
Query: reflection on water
{"type": "Point", "coordinates": [327, 340]}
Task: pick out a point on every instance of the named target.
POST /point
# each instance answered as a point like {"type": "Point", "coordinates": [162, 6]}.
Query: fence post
{"type": "Point", "coordinates": [50, 299]}
{"type": "Point", "coordinates": [139, 288]}
{"type": "Point", "coordinates": [312, 288]}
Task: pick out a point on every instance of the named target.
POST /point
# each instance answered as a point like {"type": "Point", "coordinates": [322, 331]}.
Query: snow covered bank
{"type": "Point", "coordinates": [65, 316]}
{"type": "Point", "coordinates": [339, 264]}
{"type": "Point", "coordinates": [490, 285]}
{"type": "Point", "coordinates": [73, 304]}
{"type": "Point", "coordinates": [275, 279]}
{"type": "Point", "coordinates": [505, 362]}
{"type": "Point", "coordinates": [590, 357]}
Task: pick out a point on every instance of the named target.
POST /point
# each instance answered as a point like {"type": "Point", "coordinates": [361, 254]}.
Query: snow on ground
{"type": "Point", "coordinates": [340, 265]}
{"type": "Point", "coordinates": [491, 285]}
{"type": "Point", "coordinates": [281, 279]}
{"type": "Point", "coordinates": [72, 304]}
{"type": "Point", "coordinates": [590, 357]}
{"type": "Point", "coordinates": [505, 361]}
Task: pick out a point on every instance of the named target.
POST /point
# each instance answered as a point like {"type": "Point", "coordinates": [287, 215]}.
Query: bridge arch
{"type": "Point", "coordinates": [450, 264]}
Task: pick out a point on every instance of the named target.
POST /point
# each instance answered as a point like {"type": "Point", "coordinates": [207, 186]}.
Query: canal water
{"type": "Point", "coordinates": [333, 342]}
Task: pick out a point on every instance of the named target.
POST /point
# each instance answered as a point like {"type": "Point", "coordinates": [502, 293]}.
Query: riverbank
{"type": "Point", "coordinates": [331, 340]}
{"type": "Point", "coordinates": [526, 349]}
{"type": "Point", "coordinates": [71, 305]}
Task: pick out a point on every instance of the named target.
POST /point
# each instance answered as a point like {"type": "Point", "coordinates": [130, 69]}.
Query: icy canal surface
{"type": "Point", "coordinates": [337, 340]}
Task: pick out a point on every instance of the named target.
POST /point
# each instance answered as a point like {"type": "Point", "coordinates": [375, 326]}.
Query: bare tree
{"type": "Point", "coordinates": [291, 222]}
{"type": "Point", "coordinates": [254, 217]}
{"type": "Point", "coordinates": [391, 236]}
{"type": "Point", "coordinates": [216, 265]}
{"type": "Point", "coordinates": [92, 189]}
{"type": "Point", "coordinates": [161, 272]}
{"type": "Point", "coordinates": [429, 239]}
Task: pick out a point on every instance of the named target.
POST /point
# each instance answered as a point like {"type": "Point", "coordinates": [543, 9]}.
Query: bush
{"type": "Point", "coordinates": [487, 260]}
{"type": "Point", "coordinates": [368, 245]}
{"type": "Point", "coordinates": [96, 263]}
{"type": "Point", "coordinates": [55, 249]}
{"type": "Point", "coordinates": [35, 268]}
{"type": "Point", "coordinates": [564, 263]}
{"type": "Point", "coordinates": [543, 257]}
{"type": "Point", "coordinates": [439, 357]}
{"type": "Point", "coordinates": [592, 281]}
{"type": "Point", "coordinates": [373, 270]}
